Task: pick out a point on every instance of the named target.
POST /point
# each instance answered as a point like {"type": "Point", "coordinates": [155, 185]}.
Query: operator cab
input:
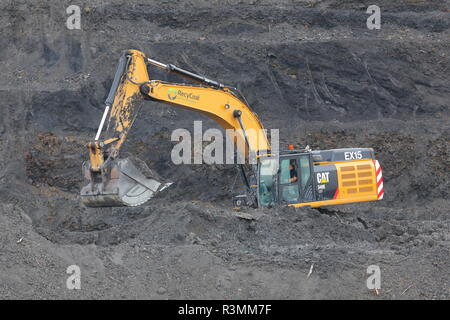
{"type": "Point", "coordinates": [305, 177]}
{"type": "Point", "coordinates": [286, 181]}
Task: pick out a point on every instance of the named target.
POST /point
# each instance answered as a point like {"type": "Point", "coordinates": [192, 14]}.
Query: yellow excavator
{"type": "Point", "coordinates": [291, 177]}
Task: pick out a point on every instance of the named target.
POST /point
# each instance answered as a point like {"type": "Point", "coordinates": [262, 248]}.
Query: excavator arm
{"type": "Point", "coordinates": [115, 182]}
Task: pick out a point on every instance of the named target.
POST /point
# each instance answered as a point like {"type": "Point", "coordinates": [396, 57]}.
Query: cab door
{"type": "Point", "coordinates": [295, 179]}
{"type": "Point", "coordinates": [289, 182]}
{"type": "Point", "coordinates": [307, 190]}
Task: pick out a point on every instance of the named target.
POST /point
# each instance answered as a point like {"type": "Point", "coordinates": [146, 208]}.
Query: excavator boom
{"type": "Point", "coordinates": [112, 181]}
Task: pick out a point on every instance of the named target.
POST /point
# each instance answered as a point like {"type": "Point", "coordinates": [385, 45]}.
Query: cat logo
{"type": "Point", "coordinates": [322, 177]}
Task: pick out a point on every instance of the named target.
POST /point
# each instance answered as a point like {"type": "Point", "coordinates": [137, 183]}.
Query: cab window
{"type": "Point", "coordinates": [267, 182]}
{"type": "Point", "coordinates": [289, 180]}
{"type": "Point", "coordinates": [305, 171]}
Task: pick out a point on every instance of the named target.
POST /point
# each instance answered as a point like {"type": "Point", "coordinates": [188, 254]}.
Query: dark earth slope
{"type": "Point", "coordinates": [309, 68]}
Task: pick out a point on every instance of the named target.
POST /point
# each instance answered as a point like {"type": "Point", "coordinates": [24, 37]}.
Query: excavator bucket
{"type": "Point", "coordinates": [121, 182]}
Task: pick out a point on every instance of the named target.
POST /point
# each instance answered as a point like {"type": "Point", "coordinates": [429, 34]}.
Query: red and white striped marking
{"type": "Point", "coordinates": [379, 175]}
